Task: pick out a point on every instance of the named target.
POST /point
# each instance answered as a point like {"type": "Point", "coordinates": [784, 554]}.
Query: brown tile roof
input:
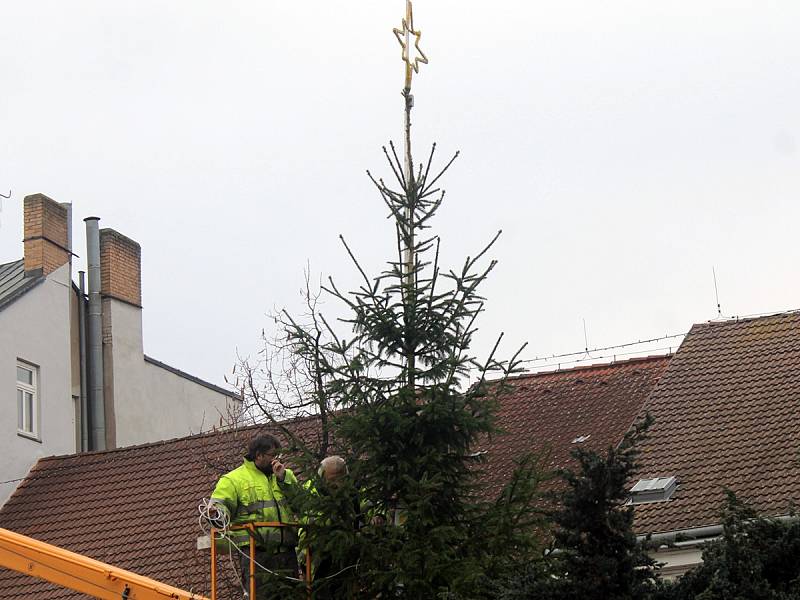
{"type": "Point", "coordinates": [727, 413]}
{"type": "Point", "coordinates": [547, 411]}
{"type": "Point", "coordinates": [727, 409]}
{"type": "Point", "coordinates": [134, 508]}
{"type": "Point", "coordinates": [137, 507]}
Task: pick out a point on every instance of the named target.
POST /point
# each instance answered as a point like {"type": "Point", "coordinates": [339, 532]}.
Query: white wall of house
{"type": "Point", "coordinates": [150, 402]}
{"type": "Point", "coordinates": [36, 329]}
{"type": "Point", "coordinates": [676, 561]}
{"type": "Point", "coordinates": [143, 401]}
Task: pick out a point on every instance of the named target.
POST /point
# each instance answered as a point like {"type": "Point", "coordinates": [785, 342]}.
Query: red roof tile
{"type": "Point", "coordinates": [727, 413]}
{"type": "Point", "coordinates": [727, 409]}
{"type": "Point", "coordinates": [547, 411]}
{"type": "Point", "coordinates": [135, 508]}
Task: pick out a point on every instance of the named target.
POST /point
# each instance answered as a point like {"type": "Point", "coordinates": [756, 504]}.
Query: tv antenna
{"type": "Point", "coordinates": [585, 337]}
{"type": "Point", "coordinates": [716, 292]}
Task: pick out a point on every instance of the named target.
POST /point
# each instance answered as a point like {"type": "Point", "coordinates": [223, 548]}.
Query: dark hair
{"type": "Point", "coordinates": [262, 443]}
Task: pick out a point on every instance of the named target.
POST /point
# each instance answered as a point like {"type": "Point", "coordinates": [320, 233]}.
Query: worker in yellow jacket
{"type": "Point", "coordinates": [256, 491]}
{"type": "Point", "coordinates": [343, 512]}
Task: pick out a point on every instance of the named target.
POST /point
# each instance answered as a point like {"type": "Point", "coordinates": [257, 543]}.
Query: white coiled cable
{"type": "Point", "coordinates": [213, 516]}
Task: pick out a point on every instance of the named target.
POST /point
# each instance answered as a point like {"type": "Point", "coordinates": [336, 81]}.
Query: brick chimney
{"type": "Point", "coordinates": [120, 267]}
{"type": "Point", "coordinates": [46, 235]}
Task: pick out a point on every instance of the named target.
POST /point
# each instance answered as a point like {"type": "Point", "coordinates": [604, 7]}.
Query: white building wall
{"type": "Point", "coordinates": [149, 402]}
{"type": "Point", "coordinates": [677, 561]}
{"type": "Point", "coordinates": [36, 328]}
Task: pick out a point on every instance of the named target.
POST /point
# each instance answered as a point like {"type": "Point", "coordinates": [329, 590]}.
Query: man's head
{"type": "Point", "coordinates": [332, 469]}
{"type": "Point", "coordinates": [263, 449]}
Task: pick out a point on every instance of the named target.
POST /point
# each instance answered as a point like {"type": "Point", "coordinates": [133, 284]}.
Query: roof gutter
{"type": "Point", "coordinates": [669, 537]}
{"type": "Point", "coordinates": [697, 535]}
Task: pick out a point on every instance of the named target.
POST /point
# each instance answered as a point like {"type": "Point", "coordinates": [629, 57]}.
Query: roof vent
{"type": "Point", "coordinates": [659, 489]}
{"type": "Point", "coordinates": [581, 438]}
{"type": "Point", "coordinates": [477, 454]}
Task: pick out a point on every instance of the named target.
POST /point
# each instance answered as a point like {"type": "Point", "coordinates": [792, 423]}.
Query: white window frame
{"type": "Point", "coordinates": [33, 389]}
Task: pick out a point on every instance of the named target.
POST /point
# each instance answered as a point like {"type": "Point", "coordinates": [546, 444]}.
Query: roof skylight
{"type": "Point", "coordinates": [658, 489]}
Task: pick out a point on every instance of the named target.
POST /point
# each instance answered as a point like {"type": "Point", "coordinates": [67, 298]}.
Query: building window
{"type": "Point", "coordinates": [27, 399]}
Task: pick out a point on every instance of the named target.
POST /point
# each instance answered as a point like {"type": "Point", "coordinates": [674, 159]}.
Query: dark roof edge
{"type": "Point", "coordinates": [692, 533]}
{"type": "Point", "coordinates": [59, 457]}
{"type": "Point", "coordinates": [604, 365]}
{"type": "Point", "coordinates": [21, 291]}
{"type": "Point", "coordinates": [703, 531]}
{"type": "Point", "coordinates": [176, 440]}
{"type": "Point", "coordinates": [192, 378]}
{"type": "Point", "coordinates": [11, 262]}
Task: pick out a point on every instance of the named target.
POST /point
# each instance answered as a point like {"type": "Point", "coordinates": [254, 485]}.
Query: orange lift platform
{"type": "Point", "coordinates": [81, 573]}
{"type": "Point", "coordinates": [107, 582]}
{"type": "Point", "coordinates": [251, 529]}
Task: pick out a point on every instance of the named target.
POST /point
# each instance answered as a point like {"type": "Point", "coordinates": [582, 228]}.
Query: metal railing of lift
{"type": "Point", "coordinates": [251, 529]}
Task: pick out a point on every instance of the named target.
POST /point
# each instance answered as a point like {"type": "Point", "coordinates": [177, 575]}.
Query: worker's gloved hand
{"type": "Point", "coordinates": [216, 517]}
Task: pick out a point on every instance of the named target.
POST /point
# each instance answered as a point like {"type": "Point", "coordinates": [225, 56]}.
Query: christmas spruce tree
{"type": "Point", "coordinates": [410, 405]}
{"type": "Point", "coordinates": [595, 551]}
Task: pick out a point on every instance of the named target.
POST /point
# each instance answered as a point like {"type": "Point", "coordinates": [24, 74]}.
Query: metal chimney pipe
{"type": "Point", "coordinates": [84, 407]}
{"type": "Point", "coordinates": [97, 418]}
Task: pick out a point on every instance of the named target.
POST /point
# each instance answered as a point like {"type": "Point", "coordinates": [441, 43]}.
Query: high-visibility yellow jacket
{"type": "Point", "coordinates": [248, 495]}
{"type": "Point", "coordinates": [361, 509]}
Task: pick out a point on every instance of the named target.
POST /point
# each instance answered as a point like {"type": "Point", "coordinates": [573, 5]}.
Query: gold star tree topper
{"type": "Point", "coordinates": [412, 54]}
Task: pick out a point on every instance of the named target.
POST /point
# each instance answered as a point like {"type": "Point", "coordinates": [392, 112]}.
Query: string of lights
{"type": "Point", "coordinates": [585, 355]}
{"type": "Point", "coordinates": [586, 351]}
{"type": "Point", "coordinates": [11, 481]}
{"type": "Point", "coordinates": [664, 350]}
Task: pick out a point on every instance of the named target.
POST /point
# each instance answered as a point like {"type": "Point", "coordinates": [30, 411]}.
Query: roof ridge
{"type": "Point", "coordinates": [747, 318]}
{"type": "Point", "coordinates": [192, 378]}
{"type": "Point", "coordinates": [60, 457]}
{"type": "Point", "coordinates": [604, 365]}
{"type": "Point", "coordinates": [175, 440]}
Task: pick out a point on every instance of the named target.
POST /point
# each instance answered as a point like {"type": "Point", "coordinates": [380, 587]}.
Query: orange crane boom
{"type": "Point", "coordinates": [81, 573]}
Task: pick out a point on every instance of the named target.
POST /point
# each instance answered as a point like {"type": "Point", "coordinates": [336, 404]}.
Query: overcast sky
{"type": "Point", "coordinates": [625, 149]}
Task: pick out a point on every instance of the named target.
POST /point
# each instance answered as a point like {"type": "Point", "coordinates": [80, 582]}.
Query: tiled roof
{"type": "Point", "coordinates": [547, 411]}
{"type": "Point", "coordinates": [135, 508]}
{"type": "Point", "coordinates": [727, 413]}
{"type": "Point", "coordinates": [727, 410]}
{"type": "Point", "coordinates": [13, 282]}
